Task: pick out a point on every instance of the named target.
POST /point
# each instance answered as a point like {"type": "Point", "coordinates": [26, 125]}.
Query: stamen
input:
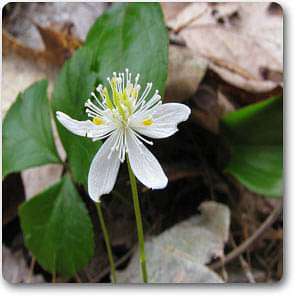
{"type": "Point", "coordinates": [91, 114]}
{"type": "Point", "coordinates": [100, 90]}
{"type": "Point", "coordinates": [115, 145]}
{"type": "Point", "coordinates": [123, 81]}
{"type": "Point", "coordinates": [140, 102]}
{"type": "Point", "coordinates": [102, 136]}
{"type": "Point", "coordinates": [113, 109]}
{"type": "Point", "coordinates": [108, 101]}
{"type": "Point", "coordinates": [154, 107]}
{"type": "Point", "coordinates": [146, 91]}
{"type": "Point", "coordinates": [98, 121]}
{"type": "Point", "coordinates": [143, 139]}
{"type": "Point", "coordinates": [93, 107]}
{"type": "Point", "coordinates": [95, 97]}
{"type": "Point", "coordinates": [137, 77]}
{"type": "Point", "coordinates": [151, 103]}
{"type": "Point", "coordinates": [147, 122]}
{"type": "Point", "coordinates": [127, 79]}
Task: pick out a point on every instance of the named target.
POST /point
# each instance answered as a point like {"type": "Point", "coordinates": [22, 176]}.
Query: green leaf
{"type": "Point", "coordinates": [57, 229]}
{"type": "Point", "coordinates": [27, 132]}
{"type": "Point", "coordinates": [72, 88]}
{"type": "Point", "coordinates": [255, 134]}
{"type": "Point", "coordinates": [133, 36]}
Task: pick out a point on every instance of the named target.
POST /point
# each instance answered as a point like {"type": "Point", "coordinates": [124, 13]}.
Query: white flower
{"type": "Point", "coordinates": [123, 118]}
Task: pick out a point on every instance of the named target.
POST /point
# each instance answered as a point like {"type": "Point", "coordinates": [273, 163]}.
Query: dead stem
{"type": "Point", "coordinates": [32, 264]}
{"type": "Point", "coordinates": [245, 266]}
{"type": "Point", "coordinates": [247, 243]}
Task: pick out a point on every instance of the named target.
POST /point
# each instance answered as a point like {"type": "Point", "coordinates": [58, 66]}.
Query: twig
{"type": "Point", "coordinates": [223, 270]}
{"type": "Point", "coordinates": [106, 271]}
{"type": "Point", "coordinates": [77, 278]}
{"type": "Point", "coordinates": [247, 243]}
{"type": "Point", "coordinates": [32, 264]}
{"type": "Point", "coordinates": [245, 266]}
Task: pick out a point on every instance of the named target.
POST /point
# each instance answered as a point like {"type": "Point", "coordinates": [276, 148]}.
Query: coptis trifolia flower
{"type": "Point", "coordinates": [123, 118]}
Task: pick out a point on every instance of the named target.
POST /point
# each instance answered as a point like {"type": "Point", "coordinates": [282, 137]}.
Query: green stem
{"type": "Point", "coordinates": [107, 242]}
{"type": "Point", "coordinates": [139, 222]}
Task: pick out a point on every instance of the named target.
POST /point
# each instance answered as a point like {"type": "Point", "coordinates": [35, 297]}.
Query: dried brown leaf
{"type": "Point", "coordinates": [172, 9]}
{"type": "Point", "coordinates": [209, 107]}
{"type": "Point", "coordinates": [37, 179]}
{"type": "Point", "coordinates": [49, 32]}
{"type": "Point", "coordinates": [179, 254]}
{"type": "Point", "coordinates": [186, 71]}
{"type": "Point", "coordinates": [59, 43]}
{"type": "Point", "coordinates": [15, 269]}
{"type": "Point", "coordinates": [242, 41]}
{"type": "Point", "coordinates": [59, 46]}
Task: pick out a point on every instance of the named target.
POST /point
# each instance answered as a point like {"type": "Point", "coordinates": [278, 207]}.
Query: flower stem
{"type": "Point", "coordinates": [139, 222]}
{"type": "Point", "coordinates": [107, 242]}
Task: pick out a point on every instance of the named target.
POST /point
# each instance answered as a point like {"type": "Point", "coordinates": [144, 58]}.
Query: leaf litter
{"type": "Point", "coordinates": [179, 254]}
{"type": "Point", "coordinates": [231, 81]}
{"type": "Point", "coordinates": [242, 41]}
{"type": "Point", "coordinates": [15, 269]}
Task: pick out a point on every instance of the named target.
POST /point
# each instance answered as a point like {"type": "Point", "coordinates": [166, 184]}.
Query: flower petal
{"type": "Point", "coordinates": [104, 169]}
{"type": "Point", "coordinates": [84, 128]}
{"type": "Point", "coordinates": [143, 163]}
{"type": "Point", "coordinates": [165, 120]}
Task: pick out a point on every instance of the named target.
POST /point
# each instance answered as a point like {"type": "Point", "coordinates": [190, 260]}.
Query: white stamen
{"type": "Point", "coordinates": [143, 139]}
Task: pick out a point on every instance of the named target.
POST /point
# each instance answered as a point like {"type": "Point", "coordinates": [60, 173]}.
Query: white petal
{"type": "Point", "coordinates": [104, 170]}
{"type": "Point", "coordinates": [143, 163]}
{"type": "Point", "coordinates": [165, 120]}
{"type": "Point", "coordinates": [84, 128]}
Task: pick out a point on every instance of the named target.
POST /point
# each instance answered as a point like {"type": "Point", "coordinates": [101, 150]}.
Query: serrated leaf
{"type": "Point", "coordinates": [255, 134]}
{"type": "Point", "coordinates": [57, 229]}
{"type": "Point", "coordinates": [27, 132]}
{"type": "Point", "coordinates": [134, 36]}
{"type": "Point", "coordinates": [72, 88]}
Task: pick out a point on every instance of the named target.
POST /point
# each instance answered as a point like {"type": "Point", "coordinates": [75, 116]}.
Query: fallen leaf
{"type": "Point", "coordinates": [179, 254]}
{"type": "Point", "coordinates": [186, 16]}
{"type": "Point", "coordinates": [81, 15]}
{"type": "Point", "coordinates": [59, 46]}
{"type": "Point", "coordinates": [184, 74]}
{"type": "Point", "coordinates": [38, 179]}
{"type": "Point", "coordinates": [60, 43]}
{"type": "Point", "coordinates": [22, 73]}
{"type": "Point", "coordinates": [15, 269]}
{"type": "Point", "coordinates": [209, 107]}
{"type": "Point", "coordinates": [49, 32]}
{"type": "Point", "coordinates": [172, 9]}
{"type": "Point", "coordinates": [176, 172]}
{"type": "Point", "coordinates": [243, 42]}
